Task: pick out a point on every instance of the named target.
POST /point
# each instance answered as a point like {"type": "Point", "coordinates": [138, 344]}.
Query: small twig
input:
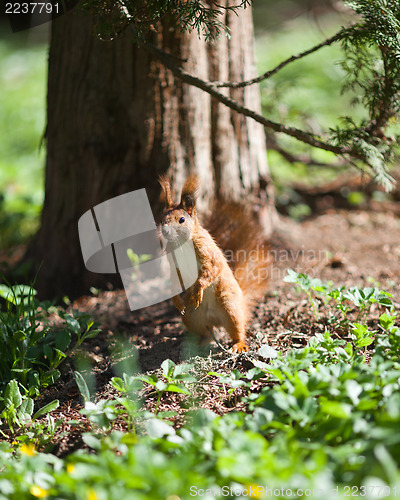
{"type": "Point", "coordinates": [233, 8]}
{"type": "Point", "coordinates": [386, 111]}
{"type": "Point", "coordinates": [306, 160]}
{"type": "Point", "coordinates": [268, 74]}
{"type": "Point", "coordinates": [215, 340]}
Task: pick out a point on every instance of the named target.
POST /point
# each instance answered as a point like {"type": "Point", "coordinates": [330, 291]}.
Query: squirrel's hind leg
{"type": "Point", "coordinates": [197, 324]}
{"type": "Point", "coordinates": [234, 321]}
{"type": "Point", "coordinates": [237, 333]}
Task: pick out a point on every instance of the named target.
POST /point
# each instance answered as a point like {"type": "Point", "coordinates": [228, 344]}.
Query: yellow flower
{"type": "Point", "coordinates": [70, 468]}
{"type": "Point", "coordinates": [254, 490]}
{"type": "Point", "coordinates": [38, 492]}
{"type": "Point", "coordinates": [92, 495]}
{"type": "Point", "coordinates": [28, 449]}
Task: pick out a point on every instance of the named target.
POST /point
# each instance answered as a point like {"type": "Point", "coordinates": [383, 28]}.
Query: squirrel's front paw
{"type": "Point", "coordinates": [197, 296]}
{"type": "Point", "coordinates": [240, 347]}
{"type": "Point", "coordinates": [179, 304]}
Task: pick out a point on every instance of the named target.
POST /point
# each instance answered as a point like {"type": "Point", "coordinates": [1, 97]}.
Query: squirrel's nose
{"type": "Point", "coordinates": [166, 230]}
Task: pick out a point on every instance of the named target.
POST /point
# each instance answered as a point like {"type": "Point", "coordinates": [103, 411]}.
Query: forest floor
{"type": "Point", "coordinates": [350, 247]}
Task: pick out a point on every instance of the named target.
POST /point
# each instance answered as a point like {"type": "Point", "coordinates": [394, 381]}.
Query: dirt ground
{"type": "Point", "coordinates": [350, 247]}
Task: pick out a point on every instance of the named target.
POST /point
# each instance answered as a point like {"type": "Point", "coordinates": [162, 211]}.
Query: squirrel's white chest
{"type": "Point", "coordinates": [210, 311]}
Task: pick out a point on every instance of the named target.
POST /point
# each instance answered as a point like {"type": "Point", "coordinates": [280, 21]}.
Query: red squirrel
{"type": "Point", "coordinates": [217, 297]}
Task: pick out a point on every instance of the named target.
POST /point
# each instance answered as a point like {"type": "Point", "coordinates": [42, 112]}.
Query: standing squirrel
{"type": "Point", "coordinates": [217, 297]}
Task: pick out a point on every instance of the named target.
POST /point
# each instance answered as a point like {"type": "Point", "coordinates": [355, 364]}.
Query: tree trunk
{"type": "Point", "coordinates": [117, 119]}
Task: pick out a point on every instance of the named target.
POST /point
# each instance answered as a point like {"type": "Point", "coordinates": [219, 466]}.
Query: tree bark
{"type": "Point", "coordinates": [116, 119]}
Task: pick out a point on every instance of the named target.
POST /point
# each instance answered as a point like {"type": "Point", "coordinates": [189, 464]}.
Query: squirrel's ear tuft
{"type": "Point", "coordinates": [188, 203]}
{"type": "Point", "coordinates": [166, 187]}
{"type": "Point", "coordinates": [189, 193]}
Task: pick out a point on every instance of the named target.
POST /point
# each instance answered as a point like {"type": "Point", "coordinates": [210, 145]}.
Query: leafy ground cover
{"type": "Point", "coordinates": [313, 407]}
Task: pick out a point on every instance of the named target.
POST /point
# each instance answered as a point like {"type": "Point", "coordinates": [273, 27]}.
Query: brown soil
{"type": "Point", "coordinates": [348, 247]}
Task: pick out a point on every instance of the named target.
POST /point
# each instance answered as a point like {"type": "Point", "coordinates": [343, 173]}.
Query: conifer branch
{"type": "Point", "coordinates": [268, 74]}
{"type": "Point", "coordinates": [370, 45]}
{"type": "Point", "coordinates": [211, 89]}
{"type": "Point", "coordinates": [355, 150]}
{"type": "Point", "coordinates": [304, 159]}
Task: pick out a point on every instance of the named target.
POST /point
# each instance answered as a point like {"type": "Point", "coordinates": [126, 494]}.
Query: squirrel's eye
{"type": "Point", "coordinates": [181, 220]}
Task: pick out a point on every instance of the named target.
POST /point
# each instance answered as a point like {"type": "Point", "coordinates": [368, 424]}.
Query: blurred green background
{"type": "Point", "coordinates": [23, 72]}
{"type": "Point", "coordinates": [305, 94]}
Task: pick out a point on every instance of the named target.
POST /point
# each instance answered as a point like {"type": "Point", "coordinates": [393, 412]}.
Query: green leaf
{"type": "Point", "coordinates": [91, 334]}
{"type": "Point", "coordinates": [202, 418]}
{"type": "Point", "coordinates": [6, 293]}
{"type": "Point", "coordinates": [385, 301]}
{"type": "Point", "coordinates": [63, 340]}
{"type": "Point", "coordinates": [360, 331]}
{"type": "Point", "coordinates": [354, 389]}
{"type": "Point", "coordinates": [46, 409]}
{"type": "Point", "coordinates": [168, 367]}
{"type": "Point", "coordinates": [387, 321]}
{"type": "Point", "coordinates": [261, 365]}
{"type": "Point", "coordinates": [82, 386]}
{"type": "Point", "coordinates": [167, 414]}
{"type": "Point", "coordinates": [292, 276]}
{"type": "Point", "coordinates": [364, 342]}
{"type": "Point", "coordinates": [177, 388]}
{"type": "Point", "coordinates": [159, 428]}
{"type": "Point", "coordinates": [133, 257]}
{"type": "Point", "coordinates": [73, 324]}
{"type": "Point", "coordinates": [6, 487]}
{"type": "Point", "coordinates": [118, 384]}
{"type": "Point", "coordinates": [12, 395]}
{"type": "Point", "coordinates": [91, 440]}
{"type": "Point", "coordinates": [48, 352]}
{"type": "Point", "coordinates": [130, 406]}
{"type": "Point", "coordinates": [181, 369]}
{"type": "Point", "coordinates": [336, 409]}
{"type": "Point", "coordinates": [59, 355]}
{"type": "Point", "coordinates": [49, 377]}
{"type": "Point", "coordinates": [26, 406]}
{"type": "Point", "coordinates": [13, 294]}
{"type": "Point", "coordinates": [254, 373]}
{"type": "Point", "coordinates": [148, 379]}
{"type": "Point", "coordinates": [387, 462]}
{"type": "Point", "coordinates": [161, 386]}
{"type": "Point", "coordinates": [356, 296]}
{"type": "Point", "coordinates": [23, 290]}
{"type": "Point", "coordinates": [267, 352]}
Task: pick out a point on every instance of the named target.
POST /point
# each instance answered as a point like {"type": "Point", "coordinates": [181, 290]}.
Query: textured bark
{"type": "Point", "coordinates": [117, 119]}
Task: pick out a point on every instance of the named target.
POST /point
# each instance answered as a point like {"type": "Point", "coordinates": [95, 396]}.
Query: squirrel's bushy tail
{"type": "Point", "coordinates": [237, 232]}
